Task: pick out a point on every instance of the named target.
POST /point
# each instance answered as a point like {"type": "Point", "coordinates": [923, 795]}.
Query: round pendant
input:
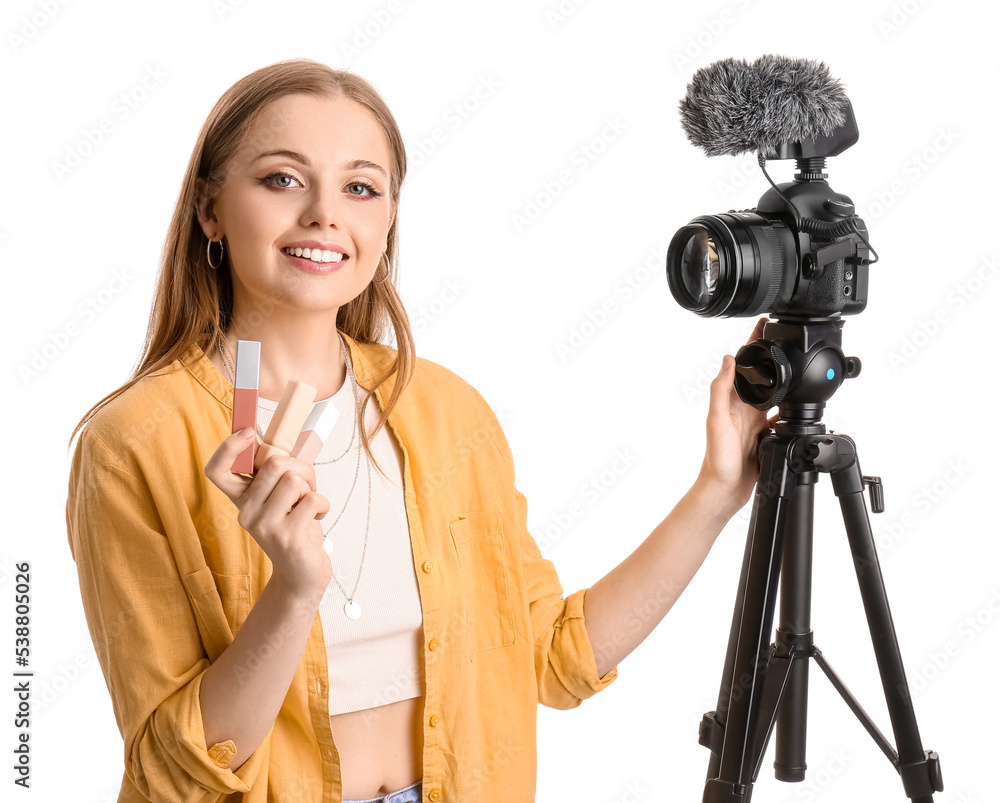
{"type": "Point", "coordinates": [352, 609]}
{"type": "Point", "coordinates": [328, 546]}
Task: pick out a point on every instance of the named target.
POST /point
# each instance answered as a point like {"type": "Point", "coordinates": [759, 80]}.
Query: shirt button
{"type": "Point", "coordinates": [432, 644]}
{"type": "Point", "coordinates": [435, 794]}
{"type": "Point", "coordinates": [435, 721]}
{"type": "Point", "coordinates": [428, 566]}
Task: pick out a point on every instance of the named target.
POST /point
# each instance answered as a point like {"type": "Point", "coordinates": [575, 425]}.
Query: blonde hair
{"type": "Point", "coordinates": [195, 302]}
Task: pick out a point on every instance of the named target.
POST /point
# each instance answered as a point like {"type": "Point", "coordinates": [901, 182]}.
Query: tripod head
{"type": "Point", "coordinates": [796, 365]}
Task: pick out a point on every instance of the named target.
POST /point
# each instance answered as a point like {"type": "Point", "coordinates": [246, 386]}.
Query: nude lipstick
{"type": "Point", "coordinates": [245, 400]}
{"type": "Point", "coordinates": [283, 431]}
{"type": "Point", "coordinates": [316, 431]}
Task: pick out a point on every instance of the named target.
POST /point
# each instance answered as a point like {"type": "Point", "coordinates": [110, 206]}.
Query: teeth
{"type": "Point", "coordinates": [315, 254]}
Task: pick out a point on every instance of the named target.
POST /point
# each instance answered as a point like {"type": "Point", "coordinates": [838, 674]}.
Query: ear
{"type": "Point", "coordinates": [204, 207]}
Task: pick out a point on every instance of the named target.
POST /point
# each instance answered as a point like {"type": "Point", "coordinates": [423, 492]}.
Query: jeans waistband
{"type": "Point", "coordinates": [408, 794]}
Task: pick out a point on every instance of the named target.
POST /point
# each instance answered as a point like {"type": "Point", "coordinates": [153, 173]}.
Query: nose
{"type": "Point", "coordinates": [323, 206]}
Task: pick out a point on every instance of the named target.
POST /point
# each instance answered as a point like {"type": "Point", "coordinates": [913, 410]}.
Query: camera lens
{"type": "Point", "coordinates": [729, 265]}
{"type": "Point", "coordinates": [699, 267]}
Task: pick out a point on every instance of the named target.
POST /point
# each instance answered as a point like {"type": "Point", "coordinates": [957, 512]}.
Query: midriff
{"type": "Point", "coordinates": [381, 748]}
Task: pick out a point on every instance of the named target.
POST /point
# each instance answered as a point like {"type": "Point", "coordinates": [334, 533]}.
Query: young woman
{"type": "Point", "coordinates": [325, 631]}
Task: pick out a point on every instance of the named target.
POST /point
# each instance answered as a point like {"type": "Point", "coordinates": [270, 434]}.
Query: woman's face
{"type": "Point", "coordinates": [313, 173]}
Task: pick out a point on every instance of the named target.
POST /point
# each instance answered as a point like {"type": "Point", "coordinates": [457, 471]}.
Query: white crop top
{"type": "Point", "coordinates": [376, 659]}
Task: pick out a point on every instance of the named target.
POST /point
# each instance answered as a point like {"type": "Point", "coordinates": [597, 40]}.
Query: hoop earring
{"type": "Point", "coordinates": [208, 253]}
{"type": "Point", "coordinates": [382, 280]}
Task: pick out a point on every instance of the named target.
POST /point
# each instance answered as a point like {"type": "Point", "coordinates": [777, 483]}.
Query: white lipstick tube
{"type": "Point", "coordinates": [316, 431]}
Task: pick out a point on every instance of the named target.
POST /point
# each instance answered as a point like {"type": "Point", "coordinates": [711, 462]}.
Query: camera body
{"type": "Point", "coordinates": [801, 254]}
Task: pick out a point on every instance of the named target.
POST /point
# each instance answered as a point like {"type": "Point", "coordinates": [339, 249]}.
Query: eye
{"type": "Point", "coordinates": [358, 189]}
{"type": "Point", "coordinates": [274, 178]}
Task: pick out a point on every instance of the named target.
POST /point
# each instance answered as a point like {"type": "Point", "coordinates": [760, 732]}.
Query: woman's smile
{"type": "Point", "coordinates": [315, 257]}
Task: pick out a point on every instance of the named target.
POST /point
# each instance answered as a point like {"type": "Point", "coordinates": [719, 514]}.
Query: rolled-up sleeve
{"type": "Point", "coordinates": [145, 634]}
{"type": "Point", "coordinates": [565, 663]}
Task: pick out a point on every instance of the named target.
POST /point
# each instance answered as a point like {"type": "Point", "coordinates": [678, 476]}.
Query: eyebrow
{"type": "Point", "coordinates": [354, 164]}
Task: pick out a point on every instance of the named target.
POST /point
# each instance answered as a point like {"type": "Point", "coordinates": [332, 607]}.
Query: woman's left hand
{"type": "Point", "coordinates": [730, 466]}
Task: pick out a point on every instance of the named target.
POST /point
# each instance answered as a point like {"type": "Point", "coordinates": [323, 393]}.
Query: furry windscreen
{"type": "Point", "coordinates": [733, 106]}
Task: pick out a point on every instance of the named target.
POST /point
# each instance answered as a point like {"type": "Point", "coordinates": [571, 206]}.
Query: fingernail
{"type": "Point", "coordinates": [246, 432]}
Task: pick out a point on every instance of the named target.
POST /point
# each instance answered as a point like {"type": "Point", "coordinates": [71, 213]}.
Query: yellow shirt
{"type": "Point", "coordinates": [167, 576]}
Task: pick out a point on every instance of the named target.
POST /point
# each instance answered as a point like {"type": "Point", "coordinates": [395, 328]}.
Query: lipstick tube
{"type": "Point", "coordinates": [245, 400]}
{"type": "Point", "coordinates": [316, 431]}
{"type": "Point", "coordinates": [283, 431]}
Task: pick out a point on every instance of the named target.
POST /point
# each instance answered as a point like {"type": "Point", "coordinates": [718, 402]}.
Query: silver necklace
{"type": "Point", "coordinates": [351, 608]}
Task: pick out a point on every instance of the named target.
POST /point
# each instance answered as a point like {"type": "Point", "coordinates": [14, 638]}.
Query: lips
{"type": "Point", "coordinates": [315, 254]}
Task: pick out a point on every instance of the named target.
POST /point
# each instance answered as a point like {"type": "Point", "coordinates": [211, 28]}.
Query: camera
{"type": "Point", "coordinates": [802, 254]}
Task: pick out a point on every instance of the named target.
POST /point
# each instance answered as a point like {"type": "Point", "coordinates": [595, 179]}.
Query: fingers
{"type": "Point", "coordinates": [241, 489]}
{"type": "Point", "coordinates": [720, 390]}
{"type": "Point", "coordinates": [271, 473]}
{"type": "Point", "coordinates": [219, 468]}
{"type": "Point", "coordinates": [311, 506]}
{"type": "Point", "coordinates": [758, 330]}
{"type": "Point", "coordinates": [276, 492]}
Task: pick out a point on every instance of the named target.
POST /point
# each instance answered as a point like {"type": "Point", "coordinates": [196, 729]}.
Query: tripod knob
{"type": "Point", "coordinates": [763, 374]}
{"type": "Point", "coordinates": [875, 492]}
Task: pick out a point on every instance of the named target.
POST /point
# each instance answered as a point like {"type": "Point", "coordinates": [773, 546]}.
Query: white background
{"type": "Point", "coordinates": [921, 77]}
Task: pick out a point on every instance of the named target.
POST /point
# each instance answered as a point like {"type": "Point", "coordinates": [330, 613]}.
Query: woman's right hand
{"type": "Point", "coordinates": [280, 508]}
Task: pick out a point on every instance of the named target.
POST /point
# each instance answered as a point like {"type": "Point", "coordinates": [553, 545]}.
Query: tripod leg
{"type": "Point", "coordinates": [920, 771]}
{"type": "Point", "coordinates": [743, 680]}
{"type": "Point", "coordinates": [794, 634]}
{"type": "Point", "coordinates": [714, 722]}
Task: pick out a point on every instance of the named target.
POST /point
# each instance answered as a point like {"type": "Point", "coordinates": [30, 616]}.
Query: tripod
{"type": "Point", "coordinates": [764, 686]}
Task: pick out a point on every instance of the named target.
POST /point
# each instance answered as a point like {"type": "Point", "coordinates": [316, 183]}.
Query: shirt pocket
{"type": "Point", "coordinates": [485, 580]}
{"type": "Point", "coordinates": [221, 603]}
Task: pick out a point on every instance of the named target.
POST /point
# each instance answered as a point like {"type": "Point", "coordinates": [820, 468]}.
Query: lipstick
{"type": "Point", "coordinates": [316, 431]}
{"type": "Point", "coordinates": [283, 431]}
{"type": "Point", "coordinates": [245, 400]}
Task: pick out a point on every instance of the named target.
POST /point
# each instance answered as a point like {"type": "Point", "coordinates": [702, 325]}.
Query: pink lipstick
{"type": "Point", "coordinates": [245, 400]}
